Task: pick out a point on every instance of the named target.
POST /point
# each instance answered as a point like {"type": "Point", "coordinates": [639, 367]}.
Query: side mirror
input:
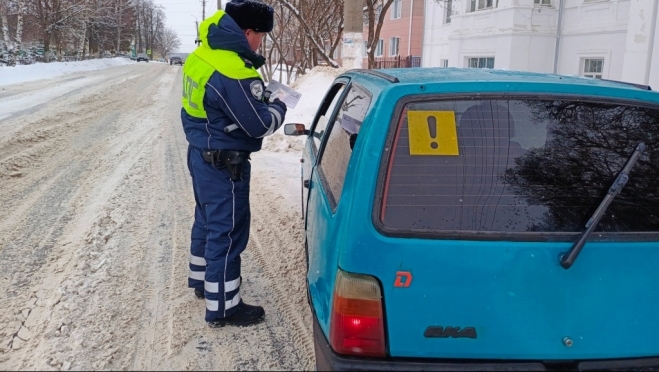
{"type": "Point", "coordinates": [295, 130]}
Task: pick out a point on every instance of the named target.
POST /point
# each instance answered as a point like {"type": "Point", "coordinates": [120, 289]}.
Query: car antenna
{"type": "Point", "coordinates": [568, 259]}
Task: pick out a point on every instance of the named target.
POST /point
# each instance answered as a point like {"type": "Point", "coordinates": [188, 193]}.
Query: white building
{"type": "Point", "coordinates": [609, 39]}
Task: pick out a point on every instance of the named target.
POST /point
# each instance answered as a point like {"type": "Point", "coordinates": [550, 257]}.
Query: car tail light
{"type": "Point", "coordinates": [357, 324]}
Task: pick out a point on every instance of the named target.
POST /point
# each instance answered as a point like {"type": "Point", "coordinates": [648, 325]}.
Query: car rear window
{"type": "Point", "coordinates": [519, 165]}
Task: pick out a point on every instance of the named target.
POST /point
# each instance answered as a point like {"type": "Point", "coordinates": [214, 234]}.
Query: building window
{"type": "Point", "coordinates": [449, 10]}
{"type": "Point", "coordinates": [443, 63]}
{"type": "Point", "coordinates": [592, 67]}
{"type": "Point", "coordinates": [487, 62]}
{"type": "Point", "coordinates": [379, 48]}
{"type": "Point", "coordinates": [396, 9]}
{"type": "Point", "coordinates": [542, 2]}
{"type": "Point", "coordinates": [393, 46]}
{"type": "Point", "coordinates": [480, 5]}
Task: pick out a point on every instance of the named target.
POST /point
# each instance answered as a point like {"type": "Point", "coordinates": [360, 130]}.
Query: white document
{"type": "Point", "coordinates": [287, 95]}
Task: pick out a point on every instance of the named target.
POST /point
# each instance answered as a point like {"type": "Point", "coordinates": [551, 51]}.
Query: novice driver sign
{"type": "Point", "coordinates": [432, 133]}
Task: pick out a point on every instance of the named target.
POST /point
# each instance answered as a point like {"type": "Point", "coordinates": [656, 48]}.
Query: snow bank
{"type": "Point", "coordinates": [39, 71]}
{"type": "Point", "coordinates": [313, 87]}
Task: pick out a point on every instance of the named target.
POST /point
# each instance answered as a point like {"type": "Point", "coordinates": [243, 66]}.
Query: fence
{"type": "Point", "coordinates": [398, 62]}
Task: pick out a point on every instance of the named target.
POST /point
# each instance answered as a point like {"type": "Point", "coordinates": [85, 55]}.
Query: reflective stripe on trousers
{"type": "Point", "coordinates": [219, 233]}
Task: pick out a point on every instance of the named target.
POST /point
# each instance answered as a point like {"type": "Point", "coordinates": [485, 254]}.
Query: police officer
{"type": "Point", "coordinates": [225, 117]}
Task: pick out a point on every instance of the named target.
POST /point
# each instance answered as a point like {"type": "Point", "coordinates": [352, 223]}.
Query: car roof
{"type": "Point", "coordinates": [383, 78]}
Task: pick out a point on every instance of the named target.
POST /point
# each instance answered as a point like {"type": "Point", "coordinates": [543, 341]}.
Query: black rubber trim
{"type": "Point", "coordinates": [328, 360]}
{"type": "Point", "coordinates": [638, 86]}
{"type": "Point", "coordinates": [645, 364]}
{"type": "Point", "coordinates": [385, 76]}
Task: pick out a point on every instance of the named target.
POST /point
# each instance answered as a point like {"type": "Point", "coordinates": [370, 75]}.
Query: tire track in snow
{"type": "Point", "coordinates": [277, 235]}
{"type": "Point", "coordinates": [110, 291]}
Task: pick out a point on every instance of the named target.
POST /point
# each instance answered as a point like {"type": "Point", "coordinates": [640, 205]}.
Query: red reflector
{"type": "Point", "coordinates": [357, 324]}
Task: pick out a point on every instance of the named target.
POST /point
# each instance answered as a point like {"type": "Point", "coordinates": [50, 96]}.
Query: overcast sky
{"type": "Point", "coordinates": [181, 17]}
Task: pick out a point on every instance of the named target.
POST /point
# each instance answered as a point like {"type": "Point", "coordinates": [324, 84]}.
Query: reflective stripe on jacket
{"type": "Point", "coordinates": [221, 87]}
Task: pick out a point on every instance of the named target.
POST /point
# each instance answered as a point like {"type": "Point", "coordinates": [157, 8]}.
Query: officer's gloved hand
{"type": "Point", "coordinates": [266, 96]}
{"type": "Point", "coordinates": [280, 104]}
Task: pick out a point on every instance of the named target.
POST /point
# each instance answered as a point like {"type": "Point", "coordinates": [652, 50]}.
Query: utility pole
{"type": "Point", "coordinates": [353, 29]}
{"type": "Point", "coordinates": [196, 27]}
{"type": "Point", "coordinates": [203, 9]}
{"type": "Point", "coordinates": [219, 4]}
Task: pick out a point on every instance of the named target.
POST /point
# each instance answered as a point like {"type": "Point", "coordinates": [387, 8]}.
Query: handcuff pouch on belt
{"type": "Point", "coordinates": [232, 160]}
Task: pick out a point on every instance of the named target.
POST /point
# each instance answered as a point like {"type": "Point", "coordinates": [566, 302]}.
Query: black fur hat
{"type": "Point", "coordinates": [251, 14]}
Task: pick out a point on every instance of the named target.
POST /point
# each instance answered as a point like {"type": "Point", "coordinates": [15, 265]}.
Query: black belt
{"type": "Point", "coordinates": [232, 160]}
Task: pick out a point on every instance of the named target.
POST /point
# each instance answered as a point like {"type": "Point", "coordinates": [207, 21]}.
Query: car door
{"type": "Point", "coordinates": [327, 186]}
{"type": "Point", "coordinates": [316, 133]}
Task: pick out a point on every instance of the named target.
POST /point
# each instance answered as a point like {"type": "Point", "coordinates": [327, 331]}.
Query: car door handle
{"type": "Point", "coordinates": [306, 183]}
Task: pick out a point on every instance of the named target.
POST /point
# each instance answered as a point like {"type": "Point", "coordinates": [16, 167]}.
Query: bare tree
{"type": "Point", "coordinates": [56, 20]}
{"type": "Point", "coordinates": [4, 9]}
{"type": "Point", "coordinates": [122, 11]}
{"type": "Point", "coordinates": [321, 21]}
{"type": "Point", "coordinates": [84, 20]}
{"type": "Point", "coordinates": [281, 45]}
{"type": "Point", "coordinates": [169, 42]}
{"type": "Point", "coordinates": [12, 45]}
{"type": "Point", "coordinates": [19, 24]}
{"type": "Point", "coordinates": [374, 16]}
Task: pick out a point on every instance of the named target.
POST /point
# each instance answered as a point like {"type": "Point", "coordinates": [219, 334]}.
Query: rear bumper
{"type": "Point", "coordinates": [328, 360]}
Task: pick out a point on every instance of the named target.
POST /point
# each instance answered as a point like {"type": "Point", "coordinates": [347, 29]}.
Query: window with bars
{"type": "Point", "coordinates": [481, 5]}
{"type": "Point", "coordinates": [593, 67]}
{"type": "Point", "coordinates": [393, 46]}
{"type": "Point", "coordinates": [481, 62]}
{"type": "Point", "coordinates": [542, 2]}
{"type": "Point", "coordinates": [396, 9]}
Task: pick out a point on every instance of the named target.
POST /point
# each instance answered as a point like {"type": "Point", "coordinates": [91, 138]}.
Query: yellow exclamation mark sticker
{"type": "Point", "coordinates": [432, 133]}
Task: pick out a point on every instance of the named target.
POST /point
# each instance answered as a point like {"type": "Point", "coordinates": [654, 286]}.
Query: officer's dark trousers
{"type": "Point", "coordinates": [219, 234]}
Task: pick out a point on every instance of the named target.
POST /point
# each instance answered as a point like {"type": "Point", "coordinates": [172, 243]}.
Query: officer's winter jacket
{"type": "Point", "coordinates": [221, 87]}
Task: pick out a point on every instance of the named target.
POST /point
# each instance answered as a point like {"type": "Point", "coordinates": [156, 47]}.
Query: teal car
{"type": "Point", "coordinates": [478, 219]}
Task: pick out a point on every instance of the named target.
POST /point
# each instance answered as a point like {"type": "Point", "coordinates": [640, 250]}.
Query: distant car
{"type": "Point", "coordinates": [176, 60]}
{"type": "Point", "coordinates": [444, 210]}
{"type": "Point", "coordinates": [142, 57]}
{"type": "Point", "coordinates": [161, 60]}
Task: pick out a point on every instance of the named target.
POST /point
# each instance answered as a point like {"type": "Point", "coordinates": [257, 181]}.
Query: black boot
{"type": "Point", "coordinates": [246, 315]}
{"type": "Point", "coordinates": [199, 293]}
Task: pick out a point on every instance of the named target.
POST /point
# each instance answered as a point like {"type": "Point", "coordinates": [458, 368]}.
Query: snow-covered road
{"type": "Point", "coordinates": [95, 211]}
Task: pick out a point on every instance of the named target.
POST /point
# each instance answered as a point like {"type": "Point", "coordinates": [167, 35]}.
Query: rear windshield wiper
{"type": "Point", "coordinates": [568, 259]}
